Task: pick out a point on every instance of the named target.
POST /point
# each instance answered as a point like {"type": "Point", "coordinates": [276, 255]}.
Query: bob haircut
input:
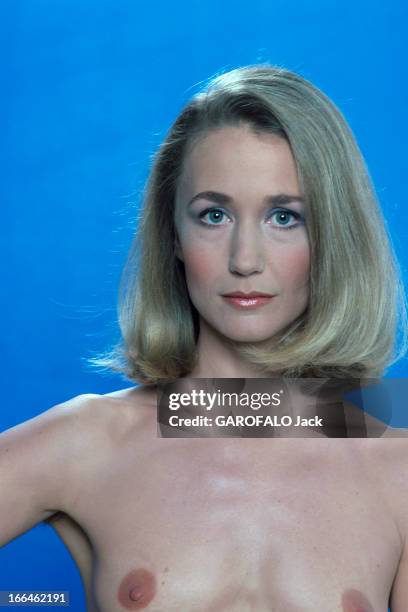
{"type": "Point", "coordinates": [357, 301]}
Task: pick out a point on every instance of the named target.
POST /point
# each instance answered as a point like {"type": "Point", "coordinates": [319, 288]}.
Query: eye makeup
{"type": "Point", "coordinates": [214, 222]}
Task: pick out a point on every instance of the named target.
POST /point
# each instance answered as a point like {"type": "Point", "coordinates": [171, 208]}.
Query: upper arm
{"type": "Point", "coordinates": [80, 548]}
{"type": "Point", "coordinates": [37, 458]}
{"type": "Point", "coordinates": [399, 591]}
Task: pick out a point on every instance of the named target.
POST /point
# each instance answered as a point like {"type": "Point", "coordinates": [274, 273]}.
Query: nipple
{"type": "Point", "coordinates": [354, 601]}
{"type": "Point", "coordinates": [137, 589]}
{"type": "Point", "coordinates": [136, 594]}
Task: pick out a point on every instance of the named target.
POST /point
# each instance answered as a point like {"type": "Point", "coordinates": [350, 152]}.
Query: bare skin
{"type": "Point", "coordinates": [225, 524]}
{"type": "Point", "coordinates": [207, 525]}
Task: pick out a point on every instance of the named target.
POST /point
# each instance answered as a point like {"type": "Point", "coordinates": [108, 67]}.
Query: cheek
{"type": "Point", "coordinates": [199, 266]}
{"type": "Point", "coordinates": [293, 266]}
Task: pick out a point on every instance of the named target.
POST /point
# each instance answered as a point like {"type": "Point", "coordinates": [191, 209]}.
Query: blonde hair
{"type": "Point", "coordinates": [357, 301]}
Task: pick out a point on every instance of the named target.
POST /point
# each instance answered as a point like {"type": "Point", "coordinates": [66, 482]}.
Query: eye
{"type": "Point", "coordinates": [283, 218]}
{"type": "Point", "coordinates": [214, 216]}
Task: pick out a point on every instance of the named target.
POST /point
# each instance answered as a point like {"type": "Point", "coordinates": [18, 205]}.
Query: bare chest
{"type": "Point", "coordinates": [208, 526]}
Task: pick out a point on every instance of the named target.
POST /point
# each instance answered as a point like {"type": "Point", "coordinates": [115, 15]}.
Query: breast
{"type": "Point", "coordinates": [191, 528]}
{"type": "Point", "coordinates": [138, 589]}
{"type": "Point", "coordinates": [141, 590]}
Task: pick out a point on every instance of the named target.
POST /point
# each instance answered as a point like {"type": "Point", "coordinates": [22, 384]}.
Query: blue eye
{"type": "Point", "coordinates": [215, 216]}
{"type": "Point", "coordinates": [284, 216]}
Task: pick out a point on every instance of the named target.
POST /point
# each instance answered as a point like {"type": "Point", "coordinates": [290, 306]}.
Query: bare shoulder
{"type": "Point", "coordinates": [108, 421]}
{"type": "Point", "coordinates": [135, 406]}
{"type": "Point", "coordinates": [39, 459]}
{"type": "Point", "coordinates": [96, 425]}
{"type": "Point", "coordinates": [142, 397]}
{"type": "Point", "coordinates": [112, 412]}
{"type": "Point", "coordinates": [84, 427]}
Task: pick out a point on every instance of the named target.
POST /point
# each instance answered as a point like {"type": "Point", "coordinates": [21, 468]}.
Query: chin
{"type": "Point", "coordinates": [248, 335]}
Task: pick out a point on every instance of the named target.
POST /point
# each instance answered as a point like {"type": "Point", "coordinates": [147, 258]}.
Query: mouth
{"type": "Point", "coordinates": [247, 301]}
{"type": "Point", "coordinates": [242, 294]}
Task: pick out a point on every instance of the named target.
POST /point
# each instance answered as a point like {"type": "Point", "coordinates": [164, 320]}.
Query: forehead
{"type": "Point", "coordinates": [235, 158]}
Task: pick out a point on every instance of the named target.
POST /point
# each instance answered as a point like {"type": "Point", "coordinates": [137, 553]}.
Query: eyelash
{"type": "Point", "coordinates": [294, 214]}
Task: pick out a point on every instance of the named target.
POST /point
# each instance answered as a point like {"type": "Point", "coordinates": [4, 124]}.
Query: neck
{"type": "Point", "coordinates": [217, 358]}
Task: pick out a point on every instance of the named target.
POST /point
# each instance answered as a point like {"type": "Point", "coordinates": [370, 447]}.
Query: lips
{"type": "Point", "coordinates": [252, 294]}
{"type": "Point", "coordinates": [247, 301]}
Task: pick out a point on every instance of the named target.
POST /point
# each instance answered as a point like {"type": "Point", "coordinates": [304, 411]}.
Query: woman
{"type": "Point", "coordinates": [263, 253]}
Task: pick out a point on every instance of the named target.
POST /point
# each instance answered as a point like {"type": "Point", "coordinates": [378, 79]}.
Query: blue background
{"type": "Point", "coordinates": [89, 88]}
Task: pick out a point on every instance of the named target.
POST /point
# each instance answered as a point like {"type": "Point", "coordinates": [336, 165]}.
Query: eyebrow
{"type": "Point", "coordinates": [223, 198]}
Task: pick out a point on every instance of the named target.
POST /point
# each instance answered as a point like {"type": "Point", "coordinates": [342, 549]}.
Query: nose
{"type": "Point", "coordinates": [246, 251]}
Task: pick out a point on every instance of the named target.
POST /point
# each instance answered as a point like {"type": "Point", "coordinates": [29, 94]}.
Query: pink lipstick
{"type": "Point", "coordinates": [247, 301]}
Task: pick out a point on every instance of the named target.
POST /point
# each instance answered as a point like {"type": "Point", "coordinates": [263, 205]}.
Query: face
{"type": "Point", "coordinates": [240, 224]}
